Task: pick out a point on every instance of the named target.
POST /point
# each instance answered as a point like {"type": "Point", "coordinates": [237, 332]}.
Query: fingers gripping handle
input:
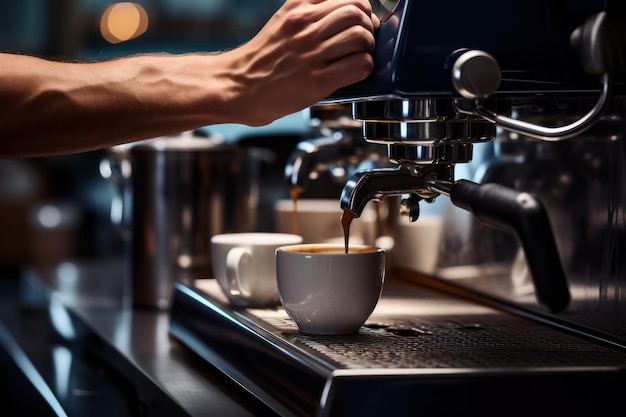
{"type": "Point", "coordinates": [523, 214]}
{"type": "Point", "coordinates": [235, 259]}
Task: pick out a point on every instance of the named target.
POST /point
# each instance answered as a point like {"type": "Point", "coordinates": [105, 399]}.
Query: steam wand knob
{"type": "Point", "coordinates": [476, 75]}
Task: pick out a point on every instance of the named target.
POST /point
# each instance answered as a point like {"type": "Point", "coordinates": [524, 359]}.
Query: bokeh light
{"type": "Point", "coordinates": [124, 21]}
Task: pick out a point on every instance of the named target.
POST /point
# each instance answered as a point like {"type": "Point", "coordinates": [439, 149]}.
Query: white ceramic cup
{"type": "Point", "coordinates": [244, 265]}
{"type": "Point", "coordinates": [319, 221]}
{"type": "Point", "coordinates": [417, 244]}
{"type": "Point", "coordinates": [326, 291]}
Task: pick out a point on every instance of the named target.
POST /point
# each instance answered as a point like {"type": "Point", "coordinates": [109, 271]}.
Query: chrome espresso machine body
{"type": "Point", "coordinates": [515, 110]}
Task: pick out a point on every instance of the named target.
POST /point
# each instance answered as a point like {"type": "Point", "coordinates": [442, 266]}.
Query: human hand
{"type": "Point", "coordinates": [305, 52]}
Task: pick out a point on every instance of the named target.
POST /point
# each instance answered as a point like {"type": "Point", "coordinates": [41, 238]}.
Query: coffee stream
{"type": "Point", "coordinates": [346, 217]}
{"type": "Point", "coordinates": [295, 193]}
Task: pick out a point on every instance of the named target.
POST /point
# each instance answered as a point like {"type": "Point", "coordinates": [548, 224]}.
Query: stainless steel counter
{"type": "Point", "coordinates": [80, 352]}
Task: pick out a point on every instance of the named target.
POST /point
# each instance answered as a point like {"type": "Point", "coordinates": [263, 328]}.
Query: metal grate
{"type": "Point", "coordinates": [499, 341]}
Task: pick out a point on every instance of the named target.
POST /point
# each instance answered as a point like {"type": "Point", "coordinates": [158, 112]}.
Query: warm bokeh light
{"type": "Point", "coordinates": [123, 21]}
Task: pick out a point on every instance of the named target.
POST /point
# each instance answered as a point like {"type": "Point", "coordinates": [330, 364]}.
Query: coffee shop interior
{"type": "Point", "coordinates": [489, 170]}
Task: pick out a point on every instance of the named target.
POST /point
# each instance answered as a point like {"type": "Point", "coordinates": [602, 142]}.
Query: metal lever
{"type": "Point", "coordinates": [476, 76]}
{"type": "Point", "coordinates": [523, 214]}
{"type": "Point", "coordinates": [542, 132]}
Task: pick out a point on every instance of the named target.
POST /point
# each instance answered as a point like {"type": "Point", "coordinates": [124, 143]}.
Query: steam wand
{"type": "Point", "coordinates": [523, 214]}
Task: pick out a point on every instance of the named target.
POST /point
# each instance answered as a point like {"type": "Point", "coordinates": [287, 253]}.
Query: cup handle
{"type": "Point", "coordinates": [234, 259]}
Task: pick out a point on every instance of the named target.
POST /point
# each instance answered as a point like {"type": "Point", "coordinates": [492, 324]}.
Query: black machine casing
{"type": "Point", "coordinates": [530, 39]}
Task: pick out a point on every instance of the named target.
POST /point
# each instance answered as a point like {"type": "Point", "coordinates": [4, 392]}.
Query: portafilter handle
{"type": "Point", "coordinates": [523, 214]}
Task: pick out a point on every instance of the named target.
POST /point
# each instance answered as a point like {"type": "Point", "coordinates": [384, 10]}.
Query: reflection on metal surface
{"type": "Point", "coordinates": [384, 8]}
{"type": "Point", "coordinates": [62, 360]}
{"type": "Point", "coordinates": [30, 371]}
{"type": "Point", "coordinates": [61, 319]}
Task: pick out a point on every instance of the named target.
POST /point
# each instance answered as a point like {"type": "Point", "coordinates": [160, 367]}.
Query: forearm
{"type": "Point", "coordinates": [51, 108]}
{"type": "Point", "coordinates": [307, 50]}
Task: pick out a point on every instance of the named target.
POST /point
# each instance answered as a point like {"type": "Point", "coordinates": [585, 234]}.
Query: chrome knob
{"type": "Point", "coordinates": [476, 75]}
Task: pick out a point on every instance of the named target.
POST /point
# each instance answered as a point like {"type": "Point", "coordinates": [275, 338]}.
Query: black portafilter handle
{"type": "Point", "coordinates": [523, 214]}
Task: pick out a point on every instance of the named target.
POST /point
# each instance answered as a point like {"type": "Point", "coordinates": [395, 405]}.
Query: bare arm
{"type": "Point", "coordinates": [307, 50]}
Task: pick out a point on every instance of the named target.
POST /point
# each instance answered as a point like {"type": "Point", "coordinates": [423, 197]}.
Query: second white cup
{"type": "Point", "coordinates": [245, 267]}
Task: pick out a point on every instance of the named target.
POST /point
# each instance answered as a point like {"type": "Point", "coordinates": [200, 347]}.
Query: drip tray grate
{"type": "Point", "coordinates": [418, 346]}
{"type": "Point", "coordinates": [451, 345]}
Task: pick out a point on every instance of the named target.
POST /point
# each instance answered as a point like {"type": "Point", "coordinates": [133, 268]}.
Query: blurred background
{"type": "Point", "coordinates": [59, 207]}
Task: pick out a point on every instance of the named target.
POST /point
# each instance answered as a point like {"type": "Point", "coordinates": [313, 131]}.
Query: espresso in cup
{"type": "Point", "coordinates": [327, 291]}
{"type": "Point", "coordinates": [331, 249]}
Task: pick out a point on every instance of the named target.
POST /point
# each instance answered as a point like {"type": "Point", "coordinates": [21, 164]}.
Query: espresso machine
{"type": "Point", "coordinates": [543, 79]}
{"type": "Point", "coordinates": [508, 118]}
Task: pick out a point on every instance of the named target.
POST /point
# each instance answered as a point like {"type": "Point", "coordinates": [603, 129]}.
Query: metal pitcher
{"type": "Point", "coordinates": [176, 192]}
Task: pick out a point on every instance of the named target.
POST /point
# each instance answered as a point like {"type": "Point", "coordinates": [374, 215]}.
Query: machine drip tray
{"type": "Point", "coordinates": [422, 352]}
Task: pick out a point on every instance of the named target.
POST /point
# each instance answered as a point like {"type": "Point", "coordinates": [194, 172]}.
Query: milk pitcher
{"type": "Point", "coordinates": [174, 194]}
